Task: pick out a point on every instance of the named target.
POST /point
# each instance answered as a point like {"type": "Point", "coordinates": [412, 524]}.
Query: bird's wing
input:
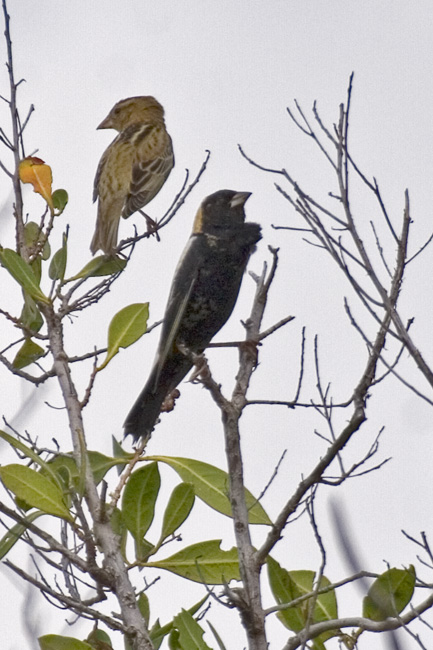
{"type": "Point", "coordinates": [99, 172]}
{"type": "Point", "coordinates": [185, 277]}
{"type": "Point", "coordinates": [154, 162]}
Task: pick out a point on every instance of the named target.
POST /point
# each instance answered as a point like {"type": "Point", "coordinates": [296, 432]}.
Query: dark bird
{"type": "Point", "coordinates": [203, 294]}
{"type": "Point", "coordinates": [133, 168]}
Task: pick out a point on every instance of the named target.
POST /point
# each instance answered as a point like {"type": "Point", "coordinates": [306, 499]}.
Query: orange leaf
{"type": "Point", "coordinates": [33, 170]}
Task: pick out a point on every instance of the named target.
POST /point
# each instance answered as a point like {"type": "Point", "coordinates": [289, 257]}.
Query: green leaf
{"type": "Point", "coordinates": [389, 594]}
{"type": "Point", "coordinates": [28, 353]}
{"type": "Point", "coordinates": [144, 607]}
{"type": "Point", "coordinates": [15, 533]}
{"type": "Point", "coordinates": [100, 266]}
{"type": "Point", "coordinates": [30, 453]}
{"type": "Point", "coordinates": [173, 640]}
{"type": "Point", "coordinates": [99, 640]}
{"type": "Point", "coordinates": [155, 636]}
{"type": "Point", "coordinates": [58, 263]}
{"type": "Point", "coordinates": [284, 590]}
{"type": "Point", "coordinates": [99, 464]}
{"type": "Point", "coordinates": [117, 523]}
{"type": "Point", "coordinates": [60, 199]}
{"type": "Point", "coordinates": [190, 632]}
{"type": "Point", "coordinates": [211, 485]}
{"type": "Point", "coordinates": [119, 452]}
{"type": "Point", "coordinates": [57, 642]}
{"type": "Point", "coordinates": [287, 586]}
{"type": "Point", "coordinates": [204, 562]}
{"type": "Point", "coordinates": [139, 498]}
{"type": "Point", "coordinates": [36, 266]}
{"type": "Point", "coordinates": [218, 639]}
{"type": "Point", "coordinates": [178, 508]}
{"type": "Point", "coordinates": [46, 252]}
{"type": "Point", "coordinates": [35, 489]}
{"type": "Point", "coordinates": [144, 550]}
{"type": "Point", "coordinates": [34, 235]}
{"type": "Point", "coordinates": [65, 467]}
{"type": "Point", "coordinates": [126, 327]}
{"type": "Point", "coordinates": [31, 317]}
{"type": "Point", "coordinates": [157, 633]}
{"type": "Point", "coordinates": [23, 274]}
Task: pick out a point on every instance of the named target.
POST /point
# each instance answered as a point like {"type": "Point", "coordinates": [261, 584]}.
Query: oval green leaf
{"type": "Point", "coordinates": [144, 607]}
{"type": "Point", "coordinates": [22, 273]}
{"type": "Point", "coordinates": [36, 266]}
{"type": "Point", "coordinates": [31, 317]}
{"type": "Point", "coordinates": [389, 594]}
{"type": "Point", "coordinates": [204, 562]}
{"type": "Point", "coordinates": [15, 533]}
{"type": "Point", "coordinates": [139, 498]}
{"type": "Point", "coordinates": [32, 233]}
{"type": "Point", "coordinates": [211, 485]}
{"type": "Point", "coordinates": [178, 508]}
{"type": "Point", "coordinates": [60, 199]}
{"type": "Point", "coordinates": [157, 633]}
{"type": "Point", "coordinates": [99, 463]}
{"type": "Point", "coordinates": [30, 453]}
{"type": "Point", "coordinates": [100, 266]}
{"type": "Point", "coordinates": [190, 632]}
{"type": "Point", "coordinates": [35, 489]}
{"type": "Point", "coordinates": [58, 264]}
{"type": "Point", "coordinates": [57, 642]}
{"type": "Point", "coordinates": [287, 586]}
{"type": "Point", "coordinates": [99, 640]}
{"type": "Point", "coordinates": [126, 327]}
{"type": "Point", "coordinates": [28, 353]}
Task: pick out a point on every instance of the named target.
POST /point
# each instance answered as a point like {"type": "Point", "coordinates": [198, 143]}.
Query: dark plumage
{"type": "Point", "coordinates": [203, 294]}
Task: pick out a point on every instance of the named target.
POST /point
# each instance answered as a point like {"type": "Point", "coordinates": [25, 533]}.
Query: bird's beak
{"type": "Point", "coordinates": [105, 124]}
{"type": "Point", "coordinates": [239, 198]}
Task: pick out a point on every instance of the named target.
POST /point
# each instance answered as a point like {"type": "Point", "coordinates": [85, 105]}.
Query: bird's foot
{"type": "Point", "coordinates": [152, 225]}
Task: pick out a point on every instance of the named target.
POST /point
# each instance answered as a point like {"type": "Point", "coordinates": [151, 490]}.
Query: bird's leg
{"type": "Point", "coordinates": [198, 359]}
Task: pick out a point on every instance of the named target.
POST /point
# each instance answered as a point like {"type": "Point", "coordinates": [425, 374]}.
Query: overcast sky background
{"type": "Point", "coordinates": [225, 72]}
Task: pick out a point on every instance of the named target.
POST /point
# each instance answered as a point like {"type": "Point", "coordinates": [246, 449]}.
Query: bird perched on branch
{"type": "Point", "coordinates": [203, 294]}
{"type": "Point", "coordinates": [133, 168]}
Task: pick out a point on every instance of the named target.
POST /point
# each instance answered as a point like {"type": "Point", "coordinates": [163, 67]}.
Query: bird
{"type": "Point", "coordinates": [133, 168]}
{"type": "Point", "coordinates": [203, 293]}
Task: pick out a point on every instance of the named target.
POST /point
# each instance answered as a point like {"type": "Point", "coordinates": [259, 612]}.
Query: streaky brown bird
{"type": "Point", "coordinates": [133, 168]}
{"type": "Point", "coordinates": [203, 294]}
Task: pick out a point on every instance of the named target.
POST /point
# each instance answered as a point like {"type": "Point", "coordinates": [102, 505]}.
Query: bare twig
{"type": "Point", "coordinates": [16, 136]}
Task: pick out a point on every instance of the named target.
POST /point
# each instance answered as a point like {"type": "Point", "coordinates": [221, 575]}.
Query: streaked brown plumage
{"type": "Point", "coordinates": [133, 168]}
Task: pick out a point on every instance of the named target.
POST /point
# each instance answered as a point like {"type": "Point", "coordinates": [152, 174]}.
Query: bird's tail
{"type": "Point", "coordinates": [105, 237]}
{"type": "Point", "coordinates": [143, 415]}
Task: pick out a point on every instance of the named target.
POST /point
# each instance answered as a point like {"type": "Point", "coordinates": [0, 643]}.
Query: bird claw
{"type": "Point", "coordinates": [152, 225]}
{"type": "Point", "coordinates": [201, 369]}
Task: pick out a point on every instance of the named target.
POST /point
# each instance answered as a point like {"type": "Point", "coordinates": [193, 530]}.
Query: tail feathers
{"type": "Point", "coordinates": [105, 237]}
{"type": "Point", "coordinates": [143, 415]}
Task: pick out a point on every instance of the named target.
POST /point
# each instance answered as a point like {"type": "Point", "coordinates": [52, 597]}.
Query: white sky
{"type": "Point", "coordinates": [225, 72]}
